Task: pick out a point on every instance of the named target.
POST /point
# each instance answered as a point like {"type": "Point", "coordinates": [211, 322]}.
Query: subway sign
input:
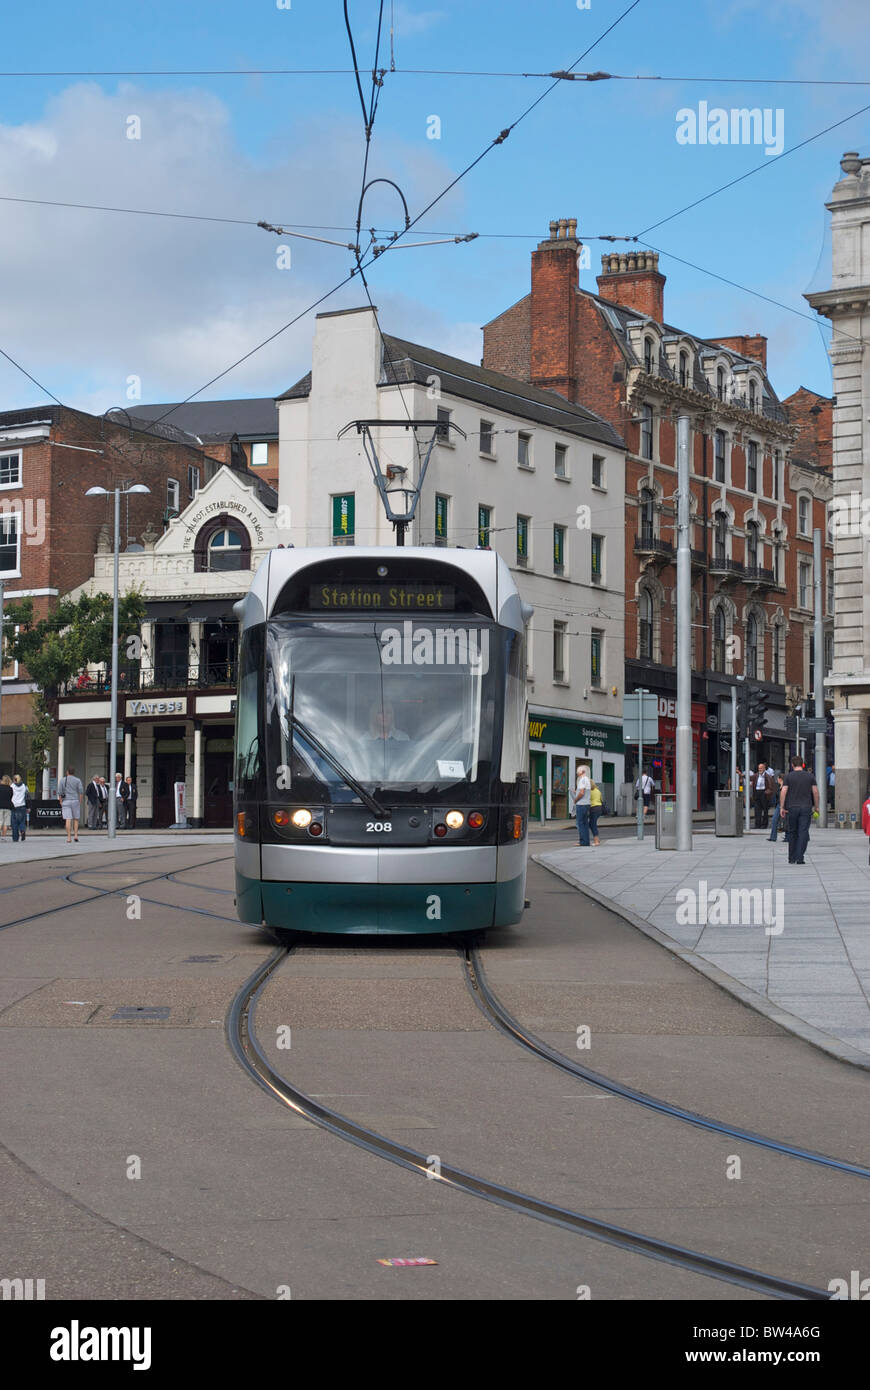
{"type": "Point", "coordinates": [574, 734]}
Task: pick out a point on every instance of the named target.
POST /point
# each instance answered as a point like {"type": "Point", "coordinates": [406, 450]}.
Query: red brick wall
{"type": "Point", "coordinates": [507, 341]}
{"type": "Point", "coordinates": [642, 290]}
{"type": "Point", "coordinates": [748, 346]}
{"type": "Point", "coordinates": [816, 430]}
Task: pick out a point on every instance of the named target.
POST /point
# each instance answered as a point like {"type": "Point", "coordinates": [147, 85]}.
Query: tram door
{"type": "Point", "coordinates": [218, 800]}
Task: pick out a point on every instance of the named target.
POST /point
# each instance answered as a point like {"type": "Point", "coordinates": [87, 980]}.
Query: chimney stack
{"type": "Point", "coordinates": [633, 280]}
{"type": "Point", "coordinates": [755, 346]}
{"type": "Point", "coordinates": [555, 281]}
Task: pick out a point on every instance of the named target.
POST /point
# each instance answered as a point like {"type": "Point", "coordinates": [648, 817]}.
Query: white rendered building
{"type": "Point", "coordinates": [525, 471]}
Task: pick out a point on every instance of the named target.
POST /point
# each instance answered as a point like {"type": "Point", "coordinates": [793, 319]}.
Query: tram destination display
{"type": "Point", "coordinates": [383, 597]}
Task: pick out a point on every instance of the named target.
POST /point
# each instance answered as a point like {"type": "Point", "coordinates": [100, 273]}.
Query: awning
{"type": "Point", "coordinates": [192, 610]}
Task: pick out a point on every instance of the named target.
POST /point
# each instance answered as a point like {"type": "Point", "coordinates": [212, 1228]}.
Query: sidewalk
{"type": "Point", "coordinates": [51, 844]}
{"type": "Point", "coordinates": [800, 953]}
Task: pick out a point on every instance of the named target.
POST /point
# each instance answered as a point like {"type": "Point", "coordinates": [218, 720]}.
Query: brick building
{"type": "Point", "coordinates": [241, 433]}
{"type": "Point", "coordinates": [49, 531]}
{"type": "Point", "coordinates": [616, 351]}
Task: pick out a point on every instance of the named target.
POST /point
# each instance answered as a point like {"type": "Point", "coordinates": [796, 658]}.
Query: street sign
{"type": "Point", "coordinates": [640, 718]}
{"type": "Point", "coordinates": [814, 726]}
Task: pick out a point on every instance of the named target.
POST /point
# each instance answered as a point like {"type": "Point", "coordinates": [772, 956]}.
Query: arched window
{"type": "Point", "coordinates": [777, 653]}
{"type": "Point", "coordinates": [720, 383]}
{"type": "Point", "coordinates": [684, 369]}
{"type": "Point", "coordinates": [226, 550]}
{"type": "Point", "coordinates": [753, 394]}
{"type": "Point", "coordinates": [720, 531]}
{"type": "Point", "coordinates": [647, 515]}
{"type": "Point", "coordinates": [804, 516]}
{"type": "Point", "coordinates": [222, 544]}
{"type": "Point", "coordinates": [719, 639]}
{"type": "Point", "coordinates": [751, 545]}
{"type": "Point", "coordinates": [645, 625]}
{"type": "Point", "coordinates": [751, 663]}
{"type": "Point", "coordinates": [648, 356]}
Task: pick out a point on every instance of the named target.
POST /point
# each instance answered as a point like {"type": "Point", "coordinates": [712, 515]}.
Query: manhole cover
{"type": "Point", "coordinates": [139, 1013]}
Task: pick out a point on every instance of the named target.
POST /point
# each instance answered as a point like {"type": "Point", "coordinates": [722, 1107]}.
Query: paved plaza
{"type": "Point", "coordinates": [804, 960]}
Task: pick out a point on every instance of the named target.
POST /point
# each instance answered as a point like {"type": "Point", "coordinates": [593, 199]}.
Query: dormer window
{"type": "Point", "coordinates": [648, 356]}
{"type": "Point", "coordinates": [684, 369]}
{"type": "Point", "coordinates": [720, 383]}
{"type": "Point", "coordinates": [753, 394]}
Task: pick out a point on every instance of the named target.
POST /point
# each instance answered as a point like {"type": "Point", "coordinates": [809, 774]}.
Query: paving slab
{"type": "Point", "coordinates": [798, 950]}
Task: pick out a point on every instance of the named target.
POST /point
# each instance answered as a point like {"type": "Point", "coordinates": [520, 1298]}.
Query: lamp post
{"type": "Point", "coordinates": [118, 492]}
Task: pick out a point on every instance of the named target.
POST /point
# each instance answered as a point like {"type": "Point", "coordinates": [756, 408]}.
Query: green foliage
{"type": "Point", "coordinates": [78, 632]}
{"type": "Point", "coordinates": [39, 733]}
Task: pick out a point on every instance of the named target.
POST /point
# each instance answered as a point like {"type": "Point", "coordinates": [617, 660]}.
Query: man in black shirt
{"type": "Point", "coordinates": [800, 797]}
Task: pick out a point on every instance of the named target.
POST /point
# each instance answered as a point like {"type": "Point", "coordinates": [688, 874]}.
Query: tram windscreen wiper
{"type": "Point", "coordinates": [346, 777]}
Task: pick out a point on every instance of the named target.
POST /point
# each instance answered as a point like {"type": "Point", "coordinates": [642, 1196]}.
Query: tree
{"type": "Point", "coordinates": [76, 634]}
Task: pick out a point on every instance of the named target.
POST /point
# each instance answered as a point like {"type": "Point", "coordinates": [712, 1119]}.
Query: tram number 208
{"type": "Point", "coordinates": [377, 826]}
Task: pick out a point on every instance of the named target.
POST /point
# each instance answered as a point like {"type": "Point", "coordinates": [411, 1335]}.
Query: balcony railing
{"type": "Point", "coordinates": [757, 574]}
{"type": "Point", "coordinates": [648, 544]}
{"type": "Point", "coordinates": [175, 677]}
{"type": "Point", "coordinates": [719, 564]}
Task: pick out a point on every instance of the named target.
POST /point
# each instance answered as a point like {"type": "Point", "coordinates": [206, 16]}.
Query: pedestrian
{"type": "Point", "coordinates": [778, 814]}
{"type": "Point", "coordinates": [764, 790]}
{"type": "Point", "coordinates": [20, 796]}
{"type": "Point", "coordinates": [122, 792]}
{"type": "Point", "coordinates": [103, 818]}
{"type": "Point", "coordinates": [69, 793]}
{"type": "Point", "coordinates": [5, 806]}
{"type": "Point", "coordinates": [865, 815]}
{"type": "Point", "coordinates": [132, 797]}
{"type": "Point", "coordinates": [92, 795]}
{"type": "Point", "coordinates": [738, 780]}
{"type": "Point", "coordinates": [644, 786]}
{"type": "Point", "coordinates": [800, 797]}
{"type": "Point", "coordinates": [596, 803]}
{"type": "Point", "coordinates": [832, 778]}
{"type": "Point", "coordinates": [582, 796]}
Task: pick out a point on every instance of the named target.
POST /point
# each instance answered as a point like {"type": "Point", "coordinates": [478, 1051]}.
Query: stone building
{"type": "Point", "coordinates": [847, 305]}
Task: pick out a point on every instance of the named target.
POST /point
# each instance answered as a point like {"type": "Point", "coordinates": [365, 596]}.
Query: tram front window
{"type": "Point", "coordinates": [412, 715]}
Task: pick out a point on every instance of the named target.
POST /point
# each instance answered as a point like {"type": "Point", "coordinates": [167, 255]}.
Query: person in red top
{"type": "Point", "coordinates": [865, 817]}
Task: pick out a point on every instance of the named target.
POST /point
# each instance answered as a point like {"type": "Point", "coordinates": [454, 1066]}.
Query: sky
{"type": "Point", "coordinates": [99, 306]}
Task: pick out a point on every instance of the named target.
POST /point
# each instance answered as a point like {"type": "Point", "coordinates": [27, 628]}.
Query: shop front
{"type": "Point", "coordinates": [660, 758]}
{"type": "Point", "coordinates": [557, 746]}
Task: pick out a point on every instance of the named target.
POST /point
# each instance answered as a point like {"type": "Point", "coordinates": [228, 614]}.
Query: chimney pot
{"type": "Point", "coordinates": [572, 227]}
{"type": "Point", "coordinates": [563, 224]}
{"type": "Point", "coordinates": [554, 227]}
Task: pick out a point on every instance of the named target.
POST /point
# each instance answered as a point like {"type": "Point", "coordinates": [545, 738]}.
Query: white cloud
{"type": "Point", "coordinates": [91, 298]}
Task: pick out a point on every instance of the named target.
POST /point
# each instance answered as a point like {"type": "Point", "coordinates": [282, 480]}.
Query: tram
{"type": "Point", "coordinates": [381, 781]}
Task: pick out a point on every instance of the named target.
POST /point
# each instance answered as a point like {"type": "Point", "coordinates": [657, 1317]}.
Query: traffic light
{"type": "Point", "coordinates": [758, 702]}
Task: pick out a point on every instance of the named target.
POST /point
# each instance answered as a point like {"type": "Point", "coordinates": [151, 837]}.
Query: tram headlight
{"type": "Point", "coordinates": [301, 819]}
{"type": "Point", "coordinates": [455, 819]}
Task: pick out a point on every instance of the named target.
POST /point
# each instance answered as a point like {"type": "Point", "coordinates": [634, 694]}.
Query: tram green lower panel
{"type": "Point", "coordinates": [249, 899]}
{"type": "Point", "coordinates": [390, 909]}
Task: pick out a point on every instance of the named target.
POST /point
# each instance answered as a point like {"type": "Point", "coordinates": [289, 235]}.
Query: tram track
{"type": "Point", "coordinates": [500, 1018]}
{"type": "Point", "coordinates": [97, 893]}
{"type": "Point", "coordinates": [240, 1028]}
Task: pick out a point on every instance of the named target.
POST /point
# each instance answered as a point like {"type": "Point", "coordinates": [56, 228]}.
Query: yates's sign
{"type": "Point", "coordinates": [140, 709]}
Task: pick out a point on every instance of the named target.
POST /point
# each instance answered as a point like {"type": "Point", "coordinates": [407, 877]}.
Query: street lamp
{"type": "Point", "coordinates": [111, 809]}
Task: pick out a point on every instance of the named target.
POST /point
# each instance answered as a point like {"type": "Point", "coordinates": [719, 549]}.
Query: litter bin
{"type": "Point", "coordinates": [729, 813]}
{"type": "Point", "coordinates": [666, 822]}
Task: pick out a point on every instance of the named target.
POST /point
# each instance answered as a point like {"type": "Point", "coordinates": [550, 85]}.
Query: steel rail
{"type": "Point", "coordinates": [495, 1012]}
{"type": "Point", "coordinates": [242, 1041]}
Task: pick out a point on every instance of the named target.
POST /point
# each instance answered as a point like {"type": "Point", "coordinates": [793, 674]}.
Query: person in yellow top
{"type": "Point", "coordinates": [596, 803]}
